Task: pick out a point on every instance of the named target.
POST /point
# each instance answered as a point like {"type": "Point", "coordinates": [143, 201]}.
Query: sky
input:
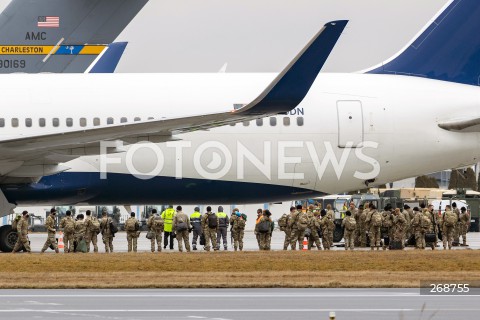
{"type": "Point", "coordinates": [264, 35]}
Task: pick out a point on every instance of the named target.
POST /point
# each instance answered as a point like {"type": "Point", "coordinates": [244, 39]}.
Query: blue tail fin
{"type": "Point", "coordinates": [107, 61]}
{"type": "Point", "coordinates": [448, 49]}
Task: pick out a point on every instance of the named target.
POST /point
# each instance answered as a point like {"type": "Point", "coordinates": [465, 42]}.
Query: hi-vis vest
{"type": "Point", "coordinates": [222, 219]}
{"type": "Point", "coordinates": [196, 219]}
{"type": "Point", "coordinates": [167, 217]}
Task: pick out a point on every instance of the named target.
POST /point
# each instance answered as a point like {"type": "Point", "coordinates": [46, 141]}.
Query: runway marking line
{"type": "Point", "coordinates": [204, 310]}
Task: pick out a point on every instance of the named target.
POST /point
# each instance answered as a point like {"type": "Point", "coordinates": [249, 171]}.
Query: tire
{"type": "Point", "coordinates": [8, 238]}
{"type": "Point", "coordinates": [337, 233]}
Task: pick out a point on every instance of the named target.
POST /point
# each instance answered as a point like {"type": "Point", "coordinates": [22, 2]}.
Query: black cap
{"type": "Point", "coordinates": [88, 212]}
{"type": "Point", "coordinates": [53, 210]}
{"type": "Point", "coordinates": [179, 208]}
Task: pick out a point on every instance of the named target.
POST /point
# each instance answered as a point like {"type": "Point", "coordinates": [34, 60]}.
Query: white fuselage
{"type": "Point", "coordinates": [356, 127]}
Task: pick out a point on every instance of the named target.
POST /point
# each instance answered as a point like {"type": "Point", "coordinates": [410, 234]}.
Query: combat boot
{"type": "Point", "coordinates": [194, 247]}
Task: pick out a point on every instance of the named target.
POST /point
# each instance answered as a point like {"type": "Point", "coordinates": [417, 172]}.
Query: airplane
{"type": "Point", "coordinates": [61, 35]}
{"type": "Point", "coordinates": [240, 138]}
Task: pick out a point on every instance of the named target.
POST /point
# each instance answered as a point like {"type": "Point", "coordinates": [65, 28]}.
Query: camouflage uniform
{"type": "Point", "coordinates": [314, 225]}
{"type": "Point", "coordinates": [265, 238]}
{"type": "Point", "coordinates": [324, 224]}
{"type": "Point", "coordinates": [408, 227]}
{"type": "Point", "coordinates": [349, 235]}
{"type": "Point", "coordinates": [419, 230]}
{"type": "Point", "coordinates": [456, 231]}
{"type": "Point", "coordinates": [68, 237]}
{"type": "Point", "coordinates": [447, 231]}
{"type": "Point", "coordinates": [51, 241]}
{"type": "Point", "coordinates": [375, 231]}
{"type": "Point", "coordinates": [107, 235]}
{"type": "Point", "coordinates": [432, 227]}
{"type": "Point", "coordinates": [464, 226]}
{"type": "Point", "coordinates": [362, 216]}
{"type": "Point", "coordinates": [238, 232]}
{"type": "Point", "coordinates": [182, 235]}
{"type": "Point", "coordinates": [387, 226]}
{"type": "Point", "coordinates": [90, 234]}
{"type": "Point", "coordinates": [287, 230]}
{"type": "Point", "coordinates": [399, 226]}
{"type": "Point", "coordinates": [157, 229]}
{"type": "Point", "coordinates": [331, 216]}
{"type": "Point", "coordinates": [132, 235]}
{"type": "Point", "coordinates": [22, 232]}
{"type": "Point", "coordinates": [79, 231]}
{"type": "Point", "coordinates": [210, 233]}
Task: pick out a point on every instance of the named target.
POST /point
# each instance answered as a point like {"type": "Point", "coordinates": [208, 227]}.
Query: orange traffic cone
{"type": "Point", "coordinates": [61, 245]}
{"type": "Point", "coordinates": [305, 244]}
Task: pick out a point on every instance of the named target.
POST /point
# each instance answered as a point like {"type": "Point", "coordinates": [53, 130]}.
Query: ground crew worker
{"type": "Point", "coordinates": [209, 227]}
{"type": "Point", "coordinates": [92, 227]}
{"type": "Point", "coordinates": [132, 226]}
{"type": "Point", "coordinates": [265, 237]}
{"type": "Point", "coordinates": [238, 230]}
{"type": "Point", "coordinates": [168, 232]}
{"type": "Point", "coordinates": [80, 230]}
{"type": "Point", "coordinates": [259, 216]}
{"type": "Point", "coordinates": [399, 226]}
{"type": "Point", "coordinates": [464, 225]}
{"type": "Point", "coordinates": [107, 235]}
{"type": "Point", "coordinates": [50, 225]}
{"type": "Point", "coordinates": [314, 225]}
{"type": "Point", "coordinates": [374, 220]}
{"type": "Point", "coordinates": [181, 224]}
{"type": "Point", "coordinates": [448, 223]}
{"type": "Point", "coordinates": [223, 223]}
{"type": "Point", "coordinates": [349, 224]}
{"type": "Point", "coordinates": [22, 234]}
{"type": "Point", "coordinates": [155, 225]}
{"type": "Point", "coordinates": [68, 226]}
{"type": "Point", "coordinates": [196, 222]}
{"type": "Point", "coordinates": [324, 222]}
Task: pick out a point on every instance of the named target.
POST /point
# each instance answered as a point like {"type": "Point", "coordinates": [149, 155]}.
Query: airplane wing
{"type": "Point", "coordinates": [285, 92]}
{"type": "Point", "coordinates": [60, 35]}
{"type": "Point", "coordinates": [462, 125]}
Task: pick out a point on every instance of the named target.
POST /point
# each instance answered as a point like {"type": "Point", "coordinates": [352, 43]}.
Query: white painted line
{"type": "Point", "coordinates": [196, 317]}
{"type": "Point", "coordinates": [206, 296]}
{"type": "Point", "coordinates": [202, 310]}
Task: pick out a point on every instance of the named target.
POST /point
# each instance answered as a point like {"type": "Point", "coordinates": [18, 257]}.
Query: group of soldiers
{"type": "Point", "coordinates": [362, 226]}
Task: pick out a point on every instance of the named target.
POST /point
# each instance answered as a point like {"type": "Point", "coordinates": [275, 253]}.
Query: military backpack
{"type": "Point", "coordinates": [158, 223]}
{"type": "Point", "coordinates": [264, 226]}
{"type": "Point", "coordinates": [212, 221]}
{"type": "Point", "coordinates": [130, 225]}
{"type": "Point", "coordinates": [181, 225]}
{"type": "Point", "coordinates": [450, 219]}
{"type": "Point", "coordinates": [69, 226]}
{"type": "Point", "coordinates": [377, 219]}
{"type": "Point", "coordinates": [15, 223]}
{"type": "Point", "coordinates": [302, 222]}
{"type": "Point", "coordinates": [350, 223]}
{"type": "Point", "coordinates": [95, 225]}
{"type": "Point", "coordinates": [282, 222]}
{"type": "Point", "coordinates": [240, 223]}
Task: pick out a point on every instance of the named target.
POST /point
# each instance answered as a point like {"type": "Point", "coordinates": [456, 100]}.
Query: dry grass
{"type": "Point", "coordinates": [246, 269]}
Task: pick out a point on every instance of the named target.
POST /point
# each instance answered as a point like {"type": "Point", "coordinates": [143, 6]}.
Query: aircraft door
{"type": "Point", "coordinates": [350, 123]}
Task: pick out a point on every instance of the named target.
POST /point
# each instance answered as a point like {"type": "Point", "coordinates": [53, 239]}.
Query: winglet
{"type": "Point", "coordinates": [292, 85]}
{"type": "Point", "coordinates": [108, 60]}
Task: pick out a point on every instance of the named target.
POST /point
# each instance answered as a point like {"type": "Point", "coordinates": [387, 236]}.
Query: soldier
{"type": "Point", "coordinates": [259, 216]}
{"type": "Point", "coordinates": [222, 228]}
{"type": "Point", "coordinates": [324, 222]}
{"type": "Point", "coordinates": [399, 226]}
{"type": "Point", "coordinates": [167, 217]}
{"type": "Point", "coordinates": [464, 225]}
{"type": "Point", "coordinates": [432, 225]}
{"type": "Point", "coordinates": [367, 216]}
{"type": "Point", "coordinates": [387, 224]}
{"type": "Point", "coordinates": [107, 234]}
{"type": "Point", "coordinates": [92, 226]}
{"type": "Point", "coordinates": [298, 223]}
{"type": "Point", "coordinates": [284, 226]}
{"type": "Point", "coordinates": [209, 227]}
{"type": "Point", "coordinates": [362, 216]}
{"type": "Point", "coordinates": [265, 230]}
{"type": "Point", "coordinates": [331, 216]}
{"type": "Point", "coordinates": [79, 230]}
{"type": "Point", "coordinates": [50, 225]}
{"type": "Point", "coordinates": [181, 223]}
{"type": "Point", "coordinates": [418, 228]}
{"type": "Point", "coordinates": [374, 220]}
{"type": "Point", "coordinates": [238, 230]}
{"type": "Point", "coordinates": [155, 225]}
{"type": "Point", "coordinates": [448, 223]}
{"type": "Point", "coordinates": [314, 225]}
{"type": "Point", "coordinates": [456, 232]}
{"type": "Point", "coordinates": [407, 213]}
{"type": "Point", "coordinates": [131, 227]}
{"type": "Point", "coordinates": [356, 214]}
{"type": "Point", "coordinates": [349, 224]}
{"type": "Point", "coordinates": [232, 219]}
{"type": "Point", "coordinates": [68, 226]}
{"type": "Point", "coordinates": [22, 233]}
{"type": "Point", "coordinates": [196, 222]}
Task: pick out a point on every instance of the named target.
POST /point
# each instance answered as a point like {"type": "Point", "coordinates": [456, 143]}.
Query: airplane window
{"type": "Point", "coordinates": [28, 122]}
{"type": "Point", "coordinates": [151, 118]}
{"type": "Point", "coordinates": [300, 121]}
{"type": "Point", "coordinates": [232, 124]}
{"type": "Point", "coordinates": [56, 122]}
{"type": "Point", "coordinates": [42, 122]}
{"type": "Point", "coordinates": [96, 121]}
{"type": "Point", "coordinates": [123, 120]}
{"type": "Point", "coordinates": [83, 122]}
{"type": "Point", "coordinates": [246, 123]}
{"type": "Point", "coordinates": [69, 122]}
{"type": "Point", "coordinates": [14, 122]}
{"type": "Point", "coordinates": [2, 122]}
{"type": "Point", "coordinates": [259, 122]}
{"type": "Point", "coordinates": [137, 119]}
{"type": "Point", "coordinates": [286, 121]}
{"type": "Point", "coordinates": [110, 120]}
{"type": "Point", "coordinates": [273, 121]}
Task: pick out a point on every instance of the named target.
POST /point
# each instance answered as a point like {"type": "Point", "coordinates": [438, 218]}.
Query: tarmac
{"type": "Point", "coordinates": [250, 244]}
{"type": "Point", "coordinates": [232, 304]}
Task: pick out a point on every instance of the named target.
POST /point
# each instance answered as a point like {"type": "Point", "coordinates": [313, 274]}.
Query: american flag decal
{"type": "Point", "coordinates": [48, 22]}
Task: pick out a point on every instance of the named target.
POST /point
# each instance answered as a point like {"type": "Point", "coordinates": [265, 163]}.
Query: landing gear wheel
{"type": "Point", "coordinates": [8, 238]}
{"type": "Point", "coordinates": [337, 233]}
